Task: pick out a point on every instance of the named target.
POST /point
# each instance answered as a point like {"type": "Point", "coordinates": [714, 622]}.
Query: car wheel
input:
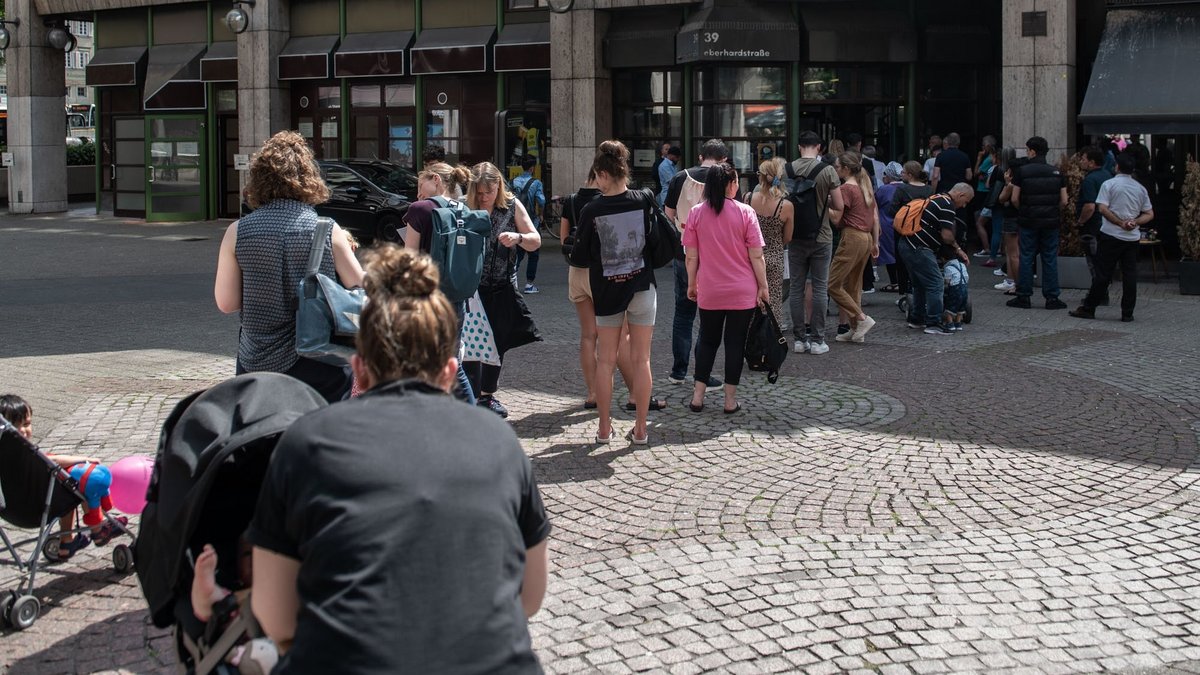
{"type": "Point", "coordinates": [387, 228]}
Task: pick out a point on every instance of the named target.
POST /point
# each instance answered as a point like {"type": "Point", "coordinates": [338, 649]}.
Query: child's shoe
{"type": "Point", "coordinates": [68, 549]}
{"type": "Point", "coordinates": [107, 531]}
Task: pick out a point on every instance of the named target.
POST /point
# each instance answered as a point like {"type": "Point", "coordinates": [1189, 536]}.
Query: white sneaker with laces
{"type": "Point", "coordinates": [530, 289]}
{"type": "Point", "coordinates": [818, 348]}
{"type": "Point", "coordinates": [1006, 285]}
{"type": "Point", "coordinates": [860, 332]}
{"type": "Point", "coordinates": [801, 346]}
{"type": "Point", "coordinates": [998, 272]}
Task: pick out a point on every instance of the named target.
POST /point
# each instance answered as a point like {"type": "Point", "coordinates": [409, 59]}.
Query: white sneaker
{"type": "Point", "coordinates": [861, 331]}
{"type": "Point", "coordinates": [818, 348]}
{"type": "Point", "coordinates": [801, 346]}
{"type": "Point", "coordinates": [844, 337]}
{"type": "Point", "coordinates": [1006, 285]}
{"type": "Point", "coordinates": [998, 272]}
{"type": "Point", "coordinates": [675, 380]}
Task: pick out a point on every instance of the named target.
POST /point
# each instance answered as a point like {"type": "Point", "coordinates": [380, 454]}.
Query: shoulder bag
{"type": "Point", "coordinates": [327, 313]}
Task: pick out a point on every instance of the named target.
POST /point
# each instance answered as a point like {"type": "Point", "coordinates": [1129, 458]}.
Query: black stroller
{"type": "Point", "coordinates": [34, 493]}
{"type": "Point", "coordinates": [212, 457]}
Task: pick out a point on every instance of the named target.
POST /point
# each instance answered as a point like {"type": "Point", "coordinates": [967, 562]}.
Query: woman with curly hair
{"type": "Point", "coordinates": [511, 228]}
{"type": "Point", "coordinates": [263, 258]}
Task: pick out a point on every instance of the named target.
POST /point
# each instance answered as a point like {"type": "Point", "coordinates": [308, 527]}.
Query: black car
{"type": "Point", "coordinates": [368, 196]}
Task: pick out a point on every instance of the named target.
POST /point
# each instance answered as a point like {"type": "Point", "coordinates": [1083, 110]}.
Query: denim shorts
{"type": "Point", "coordinates": [640, 312]}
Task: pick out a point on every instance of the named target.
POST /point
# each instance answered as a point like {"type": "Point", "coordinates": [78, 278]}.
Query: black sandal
{"type": "Point", "coordinates": [695, 408]}
{"type": "Point", "coordinates": [589, 405]}
{"type": "Point", "coordinates": [655, 404]}
{"type": "Point", "coordinates": [70, 548]}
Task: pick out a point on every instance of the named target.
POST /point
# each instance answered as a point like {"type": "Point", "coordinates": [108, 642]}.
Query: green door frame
{"type": "Point", "coordinates": [201, 141]}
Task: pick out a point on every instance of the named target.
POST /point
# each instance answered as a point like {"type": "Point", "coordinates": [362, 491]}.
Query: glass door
{"type": "Point", "coordinates": [175, 168]}
{"type": "Point", "coordinates": [127, 172]}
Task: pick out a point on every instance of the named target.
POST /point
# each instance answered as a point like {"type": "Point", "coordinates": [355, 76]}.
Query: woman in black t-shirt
{"type": "Point", "coordinates": [400, 530]}
{"type": "Point", "coordinates": [611, 243]}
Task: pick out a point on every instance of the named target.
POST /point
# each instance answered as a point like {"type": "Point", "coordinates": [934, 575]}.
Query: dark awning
{"type": "Point", "coordinates": [523, 46]}
{"type": "Point", "coordinates": [116, 66]}
{"type": "Point", "coordinates": [368, 54]}
{"type": "Point", "coordinates": [641, 39]}
{"type": "Point", "coordinates": [850, 31]}
{"type": "Point", "coordinates": [745, 32]}
{"type": "Point", "coordinates": [307, 58]}
{"type": "Point", "coordinates": [452, 50]}
{"type": "Point", "coordinates": [1143, 77]}
{"type": "Point", "coordinates": [173, 78]}
{"type": "Point", "coordinates": [219, 63]}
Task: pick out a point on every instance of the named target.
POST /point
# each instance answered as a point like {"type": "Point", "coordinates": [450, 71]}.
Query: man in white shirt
{"type": "Point", "coordinates": [1125, 207]}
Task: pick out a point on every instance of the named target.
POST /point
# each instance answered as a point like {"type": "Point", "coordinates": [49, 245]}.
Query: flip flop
{"type": "Point", "coordinates": [695, 408]}
{"type": "Point", "coordinates": [734, 409]}
{"type": "Point", "coordinates": [655, 404]}
{"type": "Point", "coordinates": [638, 441]}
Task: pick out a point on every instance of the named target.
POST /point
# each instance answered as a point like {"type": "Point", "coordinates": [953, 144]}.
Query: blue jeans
{"type": "Point", "coordinates": [955, 298]}
{"type": "Point", "coordinates": [531, 268]}
{"type": "Point", "coordinates": [681, 327]}
{"type": "Point", "coordinates": [927, 284]}
{"type": "Point", "coordinates": [463, 391]}
{"type": "Point", "coordinates": [1037, 241]}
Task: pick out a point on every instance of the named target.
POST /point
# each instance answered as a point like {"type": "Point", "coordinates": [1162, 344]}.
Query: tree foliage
{"type": "Point", "coordinates": [1189, 212]}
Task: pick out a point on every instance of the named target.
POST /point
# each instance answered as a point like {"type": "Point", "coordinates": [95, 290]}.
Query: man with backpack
{"type": "Point", "coordinates": [811, 249]}
{"type": "Point", "coordinates": [923, 228]}
{"type": "Point", "coordinates": [532, 195]}
{"type": "Point", "coordinates": [685, 191]}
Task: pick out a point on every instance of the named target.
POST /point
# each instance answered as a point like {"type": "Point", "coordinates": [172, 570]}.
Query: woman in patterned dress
{"type": "Point", "coordinates": [775, 219]}
{"type": "Point", "coordinates": [511, 227]}
{"type": "Point", "coordinates": [263, 258]}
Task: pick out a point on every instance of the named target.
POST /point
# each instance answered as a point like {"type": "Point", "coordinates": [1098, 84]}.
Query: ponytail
{"type": "Point", "coordinates": [853, 163]}
{"type": "Point", "coordinates": [716, 181]}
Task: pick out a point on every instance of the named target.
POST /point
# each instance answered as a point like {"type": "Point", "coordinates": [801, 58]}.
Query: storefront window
{"type": "Point", "coordinates": [381, 122]}
{"type": "Point", "coordinates": [364, 96]}
{"type": "Point", "coordinates": [648, 113]}
{"type": "Point", "coordinates": [316, 114]}
{"type": "Point", "coordinates": [744, 107]}
{"type": "Point", "coordinates": [853, 83]}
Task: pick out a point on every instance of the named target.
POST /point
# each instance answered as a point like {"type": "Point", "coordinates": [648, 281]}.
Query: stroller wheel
{"type": "Point", "coordinates": [24, 612]}
{"type": "Point", "coordinates": [50, 548]}
{"type": "Point", "coordinates": [7, 598]}
{"type": "Point", "coordinates": [122, 558]}
{"type": "Point", "coordinates": [967, 314]}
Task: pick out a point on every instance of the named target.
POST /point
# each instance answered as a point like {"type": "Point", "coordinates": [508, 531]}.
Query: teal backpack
{"type": "Point", "coordinates": [459, 239]}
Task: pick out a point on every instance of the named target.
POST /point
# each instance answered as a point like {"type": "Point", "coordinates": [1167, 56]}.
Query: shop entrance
{"type": "Point", "coordinates": [175, 168]}
{"type": "Point", "coordinates": [127, 171]}
{"type": "Point", "coordinates": [880, 125]}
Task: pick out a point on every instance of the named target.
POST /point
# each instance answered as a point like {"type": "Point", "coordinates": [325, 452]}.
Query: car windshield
{"type": "Point", "coordinates": [390, 177]}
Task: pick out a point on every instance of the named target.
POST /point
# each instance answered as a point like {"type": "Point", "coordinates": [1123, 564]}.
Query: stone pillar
{"type": "Point", "coordinates": [37, 180]}
{"type": "Point", "coordinates": [264, 105]}
{"type": "Point", "coordinates": [580, 94]}
{"type": "Point", "coordinates": [1039, 76]}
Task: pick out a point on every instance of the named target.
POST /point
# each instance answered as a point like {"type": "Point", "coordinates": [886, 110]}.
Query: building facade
{"type": "Point", "coordinates": [180, 96]}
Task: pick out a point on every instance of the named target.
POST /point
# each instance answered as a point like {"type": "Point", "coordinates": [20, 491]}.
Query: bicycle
{"type": "Point", "coordinates": [551, 216]}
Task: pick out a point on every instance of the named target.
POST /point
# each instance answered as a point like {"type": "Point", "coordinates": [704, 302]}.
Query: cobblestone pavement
{"type": "Point", "coordinates": [1023, 496]}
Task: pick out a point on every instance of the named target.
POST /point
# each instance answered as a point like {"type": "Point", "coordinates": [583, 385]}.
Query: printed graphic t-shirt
{"type": "Point", "coordinates": [725, 278]}
{"type": "Point", "coordinates": [611, 243]}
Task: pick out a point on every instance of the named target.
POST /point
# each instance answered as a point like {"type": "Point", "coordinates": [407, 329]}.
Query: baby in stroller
{"type": "Point", "coordinates": [94, 480]}
{"type": "Point", "coordinates": [193, 556]}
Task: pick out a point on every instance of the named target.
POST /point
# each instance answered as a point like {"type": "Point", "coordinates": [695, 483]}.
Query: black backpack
{"type": "Point", "coordinates": [808, 211]}
{"type": "Point", "coordinates": [766, 347]}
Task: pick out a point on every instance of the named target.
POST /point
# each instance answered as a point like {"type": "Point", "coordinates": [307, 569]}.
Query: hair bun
{"type": "Point", "coordinates": [394, 271]}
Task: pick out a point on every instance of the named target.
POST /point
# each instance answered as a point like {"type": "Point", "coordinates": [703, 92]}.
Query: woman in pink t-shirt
{"type": "Point", "coordinates": [727, 277]}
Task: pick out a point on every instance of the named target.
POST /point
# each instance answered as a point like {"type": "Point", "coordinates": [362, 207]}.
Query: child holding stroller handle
{"type": "Point", "coordinates": [94, 480]}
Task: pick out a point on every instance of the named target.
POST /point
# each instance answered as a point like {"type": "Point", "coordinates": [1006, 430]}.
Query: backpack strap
{"type": "Point", "coordinates": [812, 175]}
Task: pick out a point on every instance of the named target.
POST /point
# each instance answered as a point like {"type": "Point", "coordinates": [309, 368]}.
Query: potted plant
{"type": "Point", "coordinates": [1073, 270]}
{"type": "Point", "coordinates": [1189, 230]}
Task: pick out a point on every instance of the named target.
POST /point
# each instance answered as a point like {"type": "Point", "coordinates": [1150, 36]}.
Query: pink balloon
{"type": "Point", "coordinates": [130, 478]}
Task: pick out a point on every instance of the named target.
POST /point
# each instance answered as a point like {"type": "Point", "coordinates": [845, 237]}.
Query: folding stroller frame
{"type": "Point", "coordinates": [23, 472]}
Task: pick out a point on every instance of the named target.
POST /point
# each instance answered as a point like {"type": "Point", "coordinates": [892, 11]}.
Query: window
{"type": "Point", "coordinates": [3, 90]}
{"type": "Point", "coordinates": [338, 178]}
{"type": "Point", "coordinates": [745, 107]}
{"type": "Point", "coordinates": [527, 4]}
{"type": "Point", "coordinates": [382, 122]}
{"type": "Point", "coordinates": [648, 112]}
{"type": "Point", "coordinates": [81, 92]}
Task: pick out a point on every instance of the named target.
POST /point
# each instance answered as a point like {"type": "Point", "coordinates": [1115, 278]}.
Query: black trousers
{"type": "Point", "coordinates": [483, 377]}
{"type": "Point", "coordinates": [1113, 252]}
{"type": "Point", "coordinates": [731, 324]}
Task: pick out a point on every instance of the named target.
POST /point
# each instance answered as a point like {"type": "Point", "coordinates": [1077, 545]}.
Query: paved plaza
{"type": "Point", "coordinates": [1023, 496]}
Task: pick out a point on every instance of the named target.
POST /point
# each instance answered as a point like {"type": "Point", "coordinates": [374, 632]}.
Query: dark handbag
{"type": "Point", "coordinates": [662, 242]}
{"type": "Point", "coordinates": [510, 318]}
{"type": "Point", "coordinates": [766, 347]}
{"type": "Point", "coordinates": [327, 313]}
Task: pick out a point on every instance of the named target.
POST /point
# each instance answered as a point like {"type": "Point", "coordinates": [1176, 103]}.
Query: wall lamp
{"type": "Point", "coordinates": [59, 37]}
{"type": "Point", "coordinates": [5, 35]}
{"type": "Point", "coordinates": [237, 19]}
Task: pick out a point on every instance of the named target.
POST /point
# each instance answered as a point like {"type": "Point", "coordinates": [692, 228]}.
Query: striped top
{"type": "Point", "coordinates": [937, 216]}
{"type": "Point", "coordinates": [272, 251]}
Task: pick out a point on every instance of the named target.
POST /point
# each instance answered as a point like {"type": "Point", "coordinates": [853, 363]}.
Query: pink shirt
{"type": "Point", "coordinates": [725, 279]}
